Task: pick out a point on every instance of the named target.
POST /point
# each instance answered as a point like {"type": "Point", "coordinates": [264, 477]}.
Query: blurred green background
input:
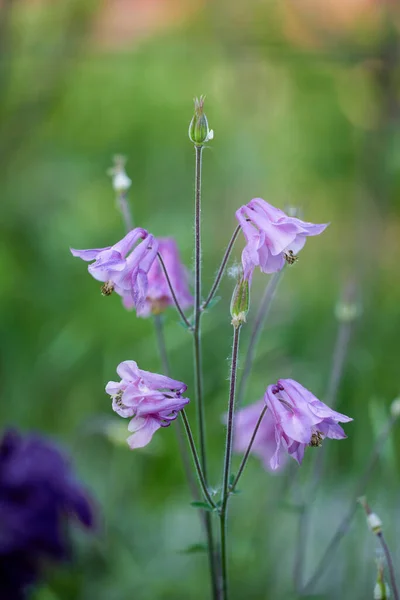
{"type": "Point", "coordinates": [304, 99]}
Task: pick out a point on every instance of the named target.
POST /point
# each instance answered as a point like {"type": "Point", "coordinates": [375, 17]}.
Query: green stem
{"type": "Point", "coordinates": [227, 462]}
{"type": "Point", "coordinates": [178, 306]}
{"type": "Point", "coordinates": [262, 313]}
{"type": "Point", "coordinates": [198, 365]}
{"type": "Point", "coordinates": [196, 460]}
{"type": "Point", "coordinates": [221, 269]}
{"type": "Point", "coordinates": [247, 453]}
{"type": "Point", "coordinates": [162, 348]}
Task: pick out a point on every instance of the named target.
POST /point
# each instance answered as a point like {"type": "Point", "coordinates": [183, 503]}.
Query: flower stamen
{"type": "Point", "coordinates": [107, 288]}
{"type": "Point", "coordinates": [316, 439]}
{"type": "Point", "coordinates": [290, 257]}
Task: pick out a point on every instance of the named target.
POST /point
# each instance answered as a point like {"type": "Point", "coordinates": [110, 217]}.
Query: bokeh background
{"type": "Point", "coordinates": [304, 98]}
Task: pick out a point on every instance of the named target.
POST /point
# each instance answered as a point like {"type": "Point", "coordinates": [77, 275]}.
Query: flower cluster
{"type": "Point", "coordinates": [38, 497]}
{"type": "Point", "coordinates": [272, 237]}
{"type": "Point", "coordinates": [294, 420]}
{"type": "Point", "coordinates": [150, 400]}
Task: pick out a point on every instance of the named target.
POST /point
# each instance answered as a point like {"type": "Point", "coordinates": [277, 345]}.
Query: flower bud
{"type": "Point", "coordinates": [374, 523]}
{"type": "Point", "coordinates": [120, 180]}
{"type": "Point", "coordinates": [199, 133]}
{"type": "Point", "coordinates": [240, 302]}
{"type": "Point", "coordinates": [395, 408]}
{"type": "Point", "coordinates": [381, 590]}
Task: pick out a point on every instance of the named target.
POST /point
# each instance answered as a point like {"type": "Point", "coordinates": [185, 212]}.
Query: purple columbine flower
{"type": "Point", "coordinates": [272, 236]}
{"type": "Point", "coordinates": [300, 419]}
{"type": "Point", "coordinates": [152, 400]}
{"type": "Point", "coordinates": [264, 444]}
{"type": "Point", "coordinates": [159, 295]}
{"type": "Point", "coordinates": [38, 498]}
{"type": "Point", "coordinates": [124, 267]}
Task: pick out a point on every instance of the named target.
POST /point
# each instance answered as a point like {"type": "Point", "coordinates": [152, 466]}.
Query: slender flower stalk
{"type": "Point", "coordinates": [389, 561]}
{"type": "Point", "coordinates": [196, 461]}
{"type": "Point", "coordinates": [221, 269]}
{"type": "Point", "coordinates": [345, 523]}
{"type": "Point", "coordinates": [178, 306]}
{"type": "Point", "coordinates": [198, 145]}
{"type": "Point", "coordinates": [247, 453]}
{"type": "Point", "coordinates": [227, 461]}
{"type": "Point", "coordinates": [159, 329]}
{"type": "Point", "coordinates": [124, 208]}
{"type": "Point", "coordinates": [262, 313]}
{"type": "Point", "coordinates": [346, 313]}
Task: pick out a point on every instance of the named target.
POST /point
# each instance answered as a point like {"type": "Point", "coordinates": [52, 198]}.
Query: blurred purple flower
{"type": "Point", "coordinates": [300, 419]}
{"type": "Point", "coordinates": [152, 400]}
{"type": "Point", "coordinates": [265, 443]}
{"type": "Point", "coordinates": [122, 267]}
{"type": "Point", "coordinates": [38, 495]}
{"type": "Point", "coordinates": [158, 292]}
{"type": "Point", "coordinates": [272, 236]}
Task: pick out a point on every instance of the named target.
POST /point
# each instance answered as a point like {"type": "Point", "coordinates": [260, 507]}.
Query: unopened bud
{"type": "Point", "coordinates": [381, 590]}
{"type": "Point", "coordinates": [395, 408]}
{"type": "Point", "coordinates": [374, 523]}
{"type": "Point", "coordinates": [240, 302]}
{"type": "Point", "coordinates": [199, 132]}
{"type": "Point", "coordinates": [120, 180]}
{"type": "Point", "coordinates": [347, 311]}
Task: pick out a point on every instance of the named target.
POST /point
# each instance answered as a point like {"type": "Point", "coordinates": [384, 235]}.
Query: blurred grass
{"type": "Point", "coordinates": [314, 128]}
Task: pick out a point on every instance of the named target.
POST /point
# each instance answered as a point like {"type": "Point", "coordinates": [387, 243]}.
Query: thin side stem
{"type": "Point", "coordinates": [178, 307]}
{"type": "Point", "coordinates": [162, 348]}
{"type": "Point", "coordinates": [343, 528]}
{"type": "Point", "coordinates": [247, 453]}
{"type": "Point", "coordinates": [262, 313]}
{"type": "Point", "coordinates": [337, 368]}
{"type": "Point", "coordinates": [198, 365]}
{"type": "Point", "coordinates": [389, 561]}
{"type": "Point", "coordinates": [221, 269]}
{"type": "Point", "coordinates": [196, 460]}
{"type": "Point", "coordinates": [125, 210]}
{"type": "Point", "coordinates": [227, 462]}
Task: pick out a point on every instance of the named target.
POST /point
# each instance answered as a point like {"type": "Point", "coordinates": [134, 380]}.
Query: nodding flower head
{"type": "Point", "coordinates": [123, 267]}
{"type": "Point", "coordinates": [150, 400]}
{"type": "Point", "coordinates": [264, 444]}
{"type": "Point", "coordinates": [158, 296]}
{"type": "Point", "coordinates": [300, 419]}
{"type": "Point", "coordinates": [272, 237]}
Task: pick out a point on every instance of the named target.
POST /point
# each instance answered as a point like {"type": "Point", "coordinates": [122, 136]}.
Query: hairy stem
{"type": "Point", "coordinates": [198, 365]}
{"type": "Point", "coordinates": [227, 461]}
{"type": "Point", "coordinates": [247, 453]}
{"type": "Point", "coordinates": [221, 269]}
{"type": "Point", "coordinates": [178, 306]}
{"type": "Point", "coordinates": [262, 313]}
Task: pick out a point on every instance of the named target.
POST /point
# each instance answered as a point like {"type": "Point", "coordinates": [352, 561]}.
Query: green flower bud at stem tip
{"type": "Point", "coordinates": [199, 132]}
{"type": "Point", "coordinates": [240, 302]}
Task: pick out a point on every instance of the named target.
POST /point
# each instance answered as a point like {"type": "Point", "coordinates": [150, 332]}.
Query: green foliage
{"type": "Point", "coordinates": [301, 136]}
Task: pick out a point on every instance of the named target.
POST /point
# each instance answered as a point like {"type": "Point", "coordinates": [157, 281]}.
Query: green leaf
{"type": "Point", "coordinates": [202, 505]}
{"type": "Point", "coordinates": [194, 549]}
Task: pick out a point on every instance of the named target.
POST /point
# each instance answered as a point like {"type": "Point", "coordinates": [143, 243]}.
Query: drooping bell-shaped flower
{"type": "Point", "coordinates": [264, 444]}
{"type": "Point", "coordinates": [124, 267]}
{"type": "Point", "coordinates": [300, 419]}
{"type": "Point", "coordinates": [151, 400]}
{"type": "Point", "coordinates": [159, 296]}
{"type": "Point", "coordinates": [272, 236]}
